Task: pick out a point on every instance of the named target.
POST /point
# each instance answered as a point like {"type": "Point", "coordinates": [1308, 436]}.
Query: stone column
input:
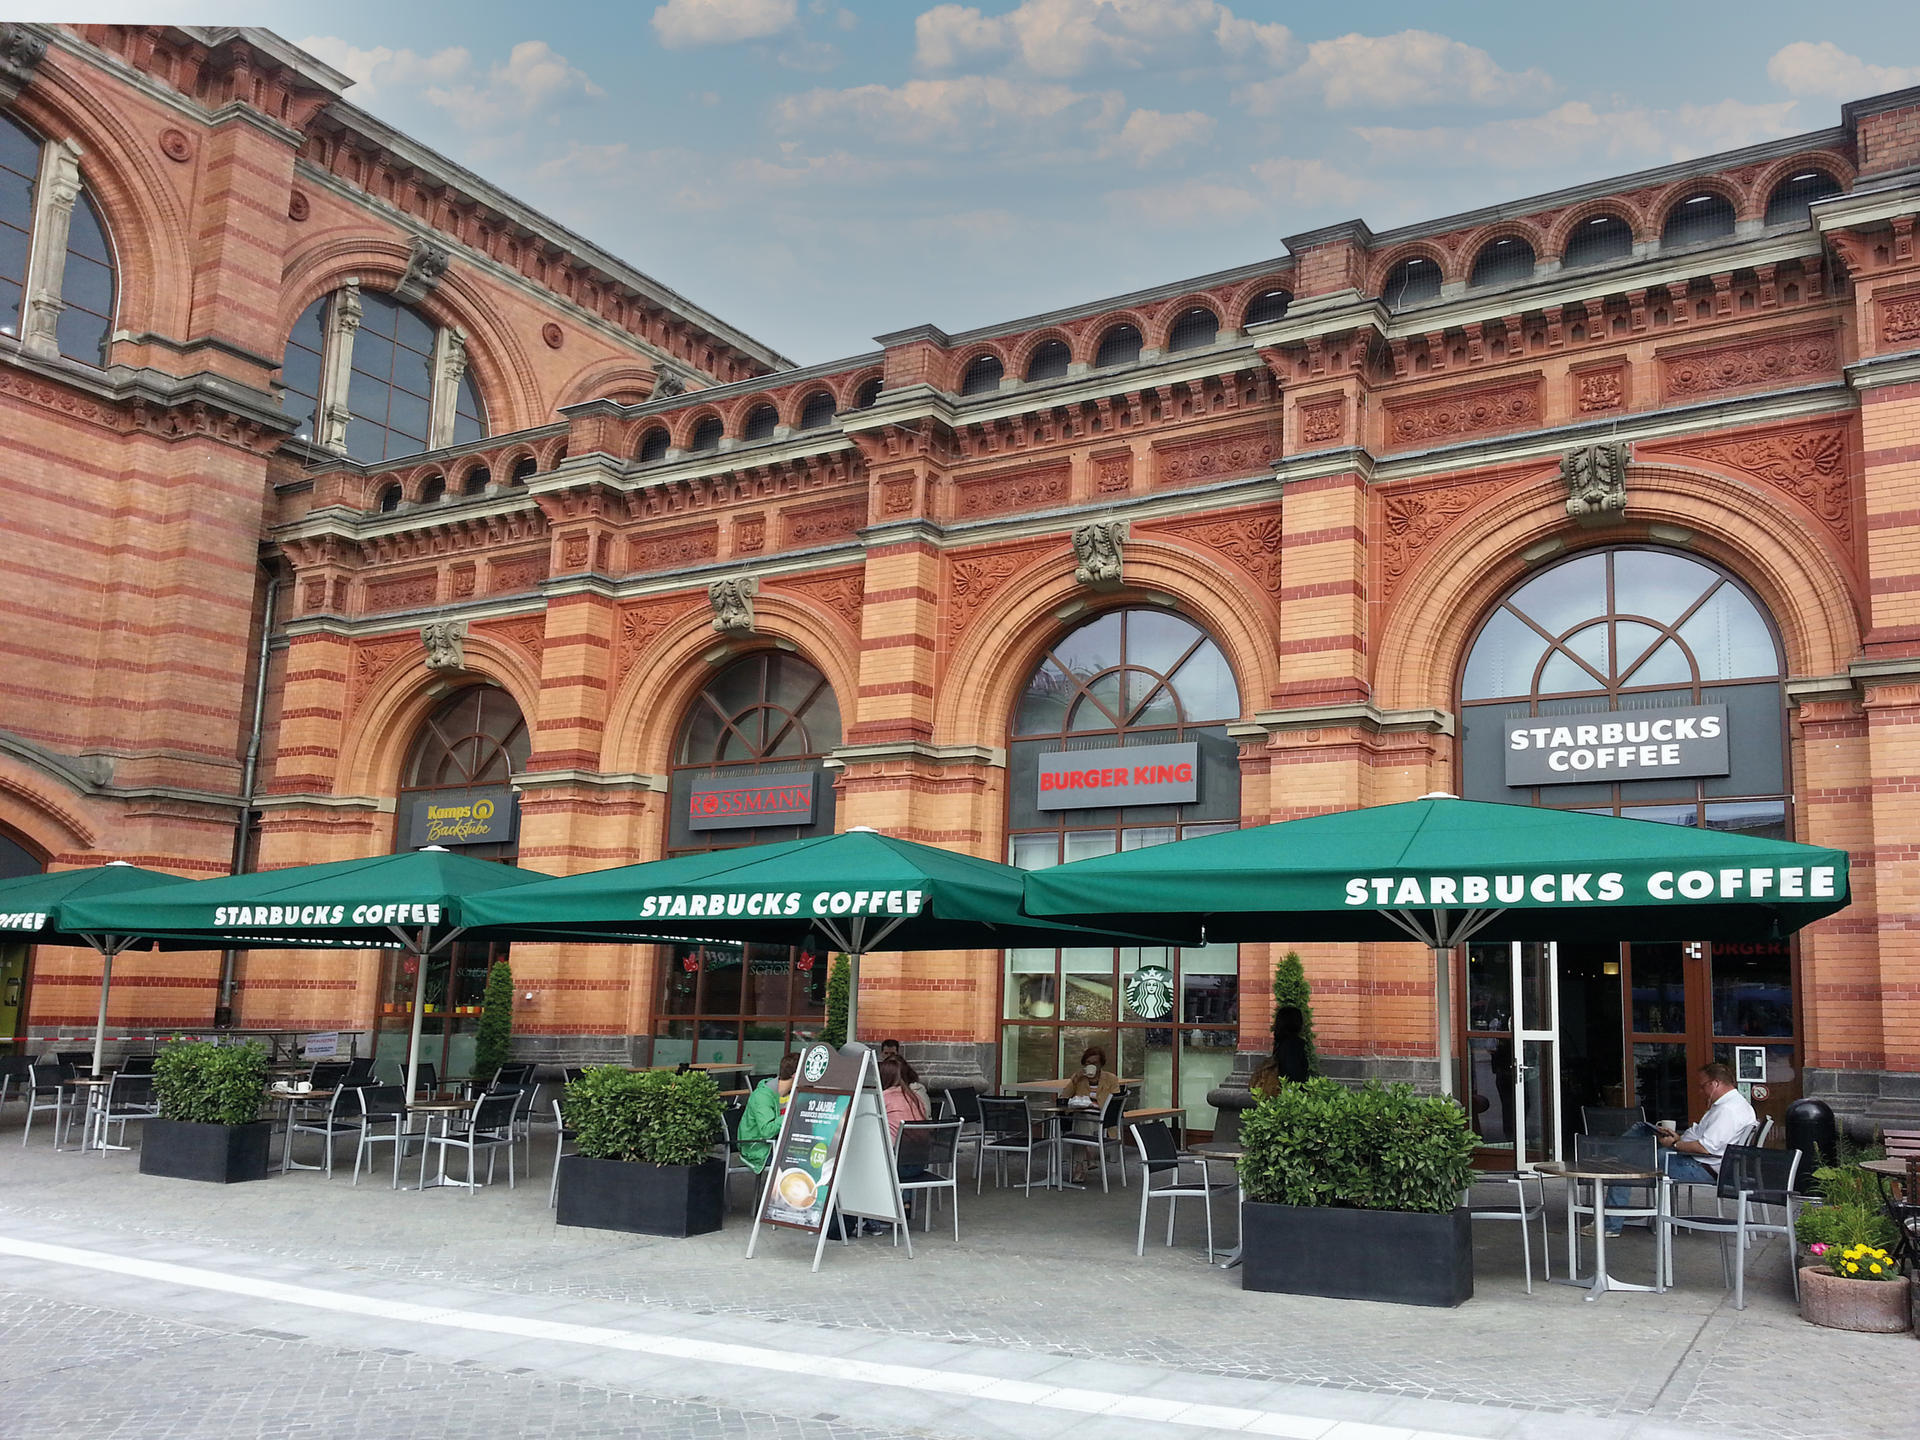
{"type": "Point", "coordinates": [54, 199]}
{"type": "Point", "coordinates": [343, 319]}
{"type": "Point", "coordinates": [449, 368]}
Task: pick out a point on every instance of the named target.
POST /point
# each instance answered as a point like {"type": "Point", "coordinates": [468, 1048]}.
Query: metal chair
{"type": "Point", "coordinates": [46, 1090]}
{"type": "Point", "coordinates": [1642, 1152]}
{"type": "Point", "coordinates": [522, 1114]}
{"type": "Point", "coordinates": [934, 1146]}
{"type": "Point", "coordinates": [328, 1074]}
{"type": "Point", "coordinates": [130, 1099]}
{"type": "Point", "coordinates": [428, 1080]}
{"type": "Point", "coordinates": [561, 1136]}
{"type": "Point", "coordinates": [728, 1146]}
{"type": "Point", "coordinates": [139, 1064]}
{"type": "Point", "coordinates": [381, 1105]}
{"type": "Point", "coordinates": [1160, 1156]}
{"type": "Point", "coordinates": [1681, 1192]}
{"type": "Point", "coordinates": [964, 1106]}
{"type": "Point", "coordinates": [341, 1116]}
{"type": "Point", "coordinates": [360, 1070]}
{"type": "Point", "coordinates": [1611, 1119]}
{"type": "Point", "coordinates": [75, 1062]}
{"type": "Point", "coordinates": [1007, 1128]}
{"type": "Point", "coordinates": [15, 1070]}
{"type": "Point", "coordinates": [489, 1127]}
{"type": "Point", "coordinates": [1749, 1176]}
{"type": "Point", "coordinates": [1520, 1209]}
{"type": "Point", "coordinates": [513, 1076]}
{"type": "Point", "coordinates": [1106, 1126]}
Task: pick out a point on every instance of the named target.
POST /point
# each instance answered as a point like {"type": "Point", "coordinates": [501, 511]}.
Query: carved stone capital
{"type": "Point", "coordinates": [1596, 481]}
{"type": "Point", "coordinates": [732, 601]}
{"type": "Point", "coordinates": [426, 264]}
{"type": "Point", "coordinates": [21, 52]}
{"type": "Point", "coordinates": [446, 645]}
{"type": "Point", "coordinates": [667, 384]}
{"type": "Point", "coordinates": [1097, 550]}
{"type": "Point", "coordinates": [58, 191]}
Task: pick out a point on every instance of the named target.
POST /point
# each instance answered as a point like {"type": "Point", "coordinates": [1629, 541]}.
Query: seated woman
{"type": "Point", "coordinates": [1089, 1089]}
{"type": "Point", "coordinates": [902, 1105]}
{"type": "Point", "coordinates": [760, 1122]}
{"type": "Point", "coordinates": [1289, 1059]}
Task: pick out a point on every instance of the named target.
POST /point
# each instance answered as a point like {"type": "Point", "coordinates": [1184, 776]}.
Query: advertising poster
{"type": "Point", "coordinates": [803, 1169]}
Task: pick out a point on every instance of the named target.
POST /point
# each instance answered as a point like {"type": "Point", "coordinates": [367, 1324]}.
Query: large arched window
{"type": "Point", "coordinates": [1194, 330]}
{"type": "Point", "coordinates": [767, 720]}
{"type": "Point", "coordinates": [65, 308]}
{"type": "Point", "coordinates": [1049, 361]}
{"type": "Point", "coordinates": [1506, 261]}
{"type": "Point", "coordinates": [369, 376]}
{"type": "Point", "coordinates": [1598, 240]}
{"type": "Point", "coordinates": [983, 374]}
{"type": "Point", "coordinates": [1414, 281]}
{"type": "Point", "coordinates": [1611, 664]}
{"type": "Point", "coordinates": [1697, 219]}
{"type": "Point", "coordinates": [1792, 199]}
{"type": "Point", "coordinates": [1127, 680]}
{"type": "Point", "coordinates": [1120, 345]}
{"type": "Point", "coordinates": [454, 791]}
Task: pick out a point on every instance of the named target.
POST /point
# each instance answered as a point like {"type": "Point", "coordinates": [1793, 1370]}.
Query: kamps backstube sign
{"type": "Point", "coordinates": [1668, 743]}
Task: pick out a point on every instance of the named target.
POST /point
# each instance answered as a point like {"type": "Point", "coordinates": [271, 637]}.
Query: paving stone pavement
{"type": "Point", "coordinates": [1052, 1277]}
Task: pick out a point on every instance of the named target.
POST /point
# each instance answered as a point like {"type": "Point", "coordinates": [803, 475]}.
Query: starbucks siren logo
{"type": "Point", "coordinates": [814, 1063]}
{"type": "Point", "coordinates": [1150, 992]}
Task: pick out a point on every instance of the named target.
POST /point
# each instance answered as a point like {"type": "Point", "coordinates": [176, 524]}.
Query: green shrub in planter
{"type": "Point", "coordinates": [604, 1113]}
{"type": "Point", "coordinates": [644, 1160]}
{"type": "Point", "coordinates": [1325, 1145]}
{"type": "Point", "coordinates": [206, 1084]}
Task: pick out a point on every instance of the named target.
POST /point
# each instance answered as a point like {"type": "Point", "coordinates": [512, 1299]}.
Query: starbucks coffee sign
{"type": "Point", "coordinates": [1150, 992]}
{"type": "Point", "coordinates": [1668, 743]}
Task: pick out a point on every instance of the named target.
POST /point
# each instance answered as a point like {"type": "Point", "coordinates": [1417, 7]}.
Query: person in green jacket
{"type": "Point", "coordinates": [760, 1122]}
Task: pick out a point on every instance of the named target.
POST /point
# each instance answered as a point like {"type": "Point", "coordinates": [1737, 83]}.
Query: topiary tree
{"type": "Point", "coordinates": [839, 992]}
{"type": "Point", "coordinates": [495, 1035]}
{"type": "Point", "coordinates": [1290, 988]}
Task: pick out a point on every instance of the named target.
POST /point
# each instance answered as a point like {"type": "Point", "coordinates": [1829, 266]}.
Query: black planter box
{"type": "Point", "coordinates": [641, 1198]}
{"type": "Point", "coordinates": [1391, 1255]}
{"type": "Point", "coordinates": [223, 1154]}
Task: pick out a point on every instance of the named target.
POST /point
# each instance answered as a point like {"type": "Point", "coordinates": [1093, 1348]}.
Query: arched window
{"type": "Point", "coordinates": [818, 410]}
{"type": "Point", "coordinates": [760, 423]}
{"type": "Point", "coordinates": [73, 293]}
{"type": "Point", "coordinates": [1049, 360]}
{"type": "Point", "coordinates": [706, 435]}
{"type": "Point", "coordinates": [524, 469]}
{"type": "Point", "coordinates": [390, 499]}
{"type": "Point", "coordinates": [1598, 240]}
{"type": "Point", "coordinates": [767, 718]}
{"type": "Point", "coordinates": [1698, 219]}
{"type": "Point", "coordinates": [1195, 329]}
{"type": "Point", "coordinates": [1789, 204]}
{"type": "Point", "coordinates": [1119, 346]}
{"type": "Point", "coordinates": [476, 481]}
{"type": "Point", "coordinates": [1414, 281]}
{"type": "Point", "coordinates": [434, 491]}
{"type": "Point", "coordinates": [453, 792]}
{"type": "Point", "coordinates": [406, 383]}
{"type": "Point", "coordinates": [1125, 680]}
{"type": "Point", "coordinates": [983, 374]}
{"type": "Point", "coordinates": [1506, 261]}
{"type": "Point", "coordinates": [1610, 664]}
{"type": "Point", "coordinates": [653, 445]}
{"type": "Point", "coordinates": [1267, 307]}
{"type": "Point", "coordinates": [869, 391]}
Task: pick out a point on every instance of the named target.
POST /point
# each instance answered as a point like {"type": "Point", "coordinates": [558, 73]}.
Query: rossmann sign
{"type": "Point", "coordinates": [1097, 779]}
{"type": "Point", "coordinates": [719, 802]}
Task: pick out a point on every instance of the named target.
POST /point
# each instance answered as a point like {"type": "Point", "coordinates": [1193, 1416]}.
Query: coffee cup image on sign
{"type": "Point", "coordinates": [796, 1188]}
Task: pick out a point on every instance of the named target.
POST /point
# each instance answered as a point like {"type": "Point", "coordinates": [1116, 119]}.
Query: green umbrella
{"type": "Point", "coordinates": [417, 900]}
{"type": "Point", "coordinates": [858, 891]}
{"type": "Point", "coordinates": [1443, 871]}
{"type": "Point", "coordinates": [29, 904]}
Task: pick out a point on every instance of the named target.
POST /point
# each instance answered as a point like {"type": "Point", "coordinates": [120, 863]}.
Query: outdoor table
{"type": "Point", "coordinates": [1208, 1150]}
{"type": "Point", "coordinates": [445, 1110]}
{"type": "Point", "coordinates": [286, 1100]}
{"type": "Point", "coordinates": [1063, 1081]}
{"type": "Point", "coordinates": [1174, 1113]}
{"type": "Point", "coordinates": [1890, 1169]}
{"type": "Point", "coordinates": [1053, 1117]}
{"type": "Point", "coordinates": [1600, 1174]}
{"type": "Point", "coordinates": [94, 1090]}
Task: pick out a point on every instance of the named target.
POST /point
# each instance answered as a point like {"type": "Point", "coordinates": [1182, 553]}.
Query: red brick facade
{"type": "Point", "coordinates": [1337, 496]}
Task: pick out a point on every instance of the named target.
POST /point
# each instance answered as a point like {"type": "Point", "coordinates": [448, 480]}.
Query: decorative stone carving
{"type": "Point", "coordinates": [1809, 464]}
{"type": "Point", "coordinates": [1415, 521]}
{"type": "Point", "coordinates": [1455, 415]}
{"type": "Point", "coordinates": [1755, 362]}
{"type": "Point", "coordinates": [668, 384]}
{"type": "Point", "coordinates": [449, 369]}
{"type": "Point", "coordinates": [824, 524]}
{"type": "Point", "coordinates": [976, 578]}
{"type": "Point", "coordinates": [732, 602]}
{"type": "Point", "coordinates": [59, 189]}
{"type": "Point", "coordinates": [1596, 479]}
{"type": "Point", "coordinates": [1598, 390]}
{"type": "Point", "coordinates": [1097, 550]}
{"type": "Point", "coordinates": [1022, 490]}
{"type": "Point", "coordinates": [427, 263]}
{"type": "Point", "coordinates": [1322, 423]}
{"type": "Point", "coordinates": [674, 548]}
{"type": "Point", "coordinates": [840, 595]}
{"type": "Point", "coordinates": [1900, 319]}
{"type": "Point", "coordinates": [446, 644]}
{"type": "Point", "coordinates": [343, 319]}
{"type": "Point", "coordinates": [1251, 541]}
{"type": "Point", "coordinates": [1113, 474]}
{"type": "Point", "coordinates": [21, 52]}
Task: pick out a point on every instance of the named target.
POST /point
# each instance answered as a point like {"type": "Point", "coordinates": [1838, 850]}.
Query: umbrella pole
{"type": "Point", "coordinates": [107, 951]}
{"type": "Point", "coordinates": [419, 1010]}
{"type": "Point", "coordinates": [1443, 1014]}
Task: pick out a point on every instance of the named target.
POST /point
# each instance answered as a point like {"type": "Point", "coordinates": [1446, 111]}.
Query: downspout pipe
{"type": "Point", "coordinates": [248, 782]}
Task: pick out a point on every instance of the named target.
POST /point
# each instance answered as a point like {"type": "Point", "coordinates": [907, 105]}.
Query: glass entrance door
{"type": "Point", "coordinates": [1512, 1050]}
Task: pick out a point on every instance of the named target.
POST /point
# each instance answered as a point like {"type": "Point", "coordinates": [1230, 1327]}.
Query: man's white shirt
{"type": "Point", "coordinates": [1726, 1122]}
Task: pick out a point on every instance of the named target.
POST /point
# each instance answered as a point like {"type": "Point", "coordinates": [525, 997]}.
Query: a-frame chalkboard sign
{"type": "Point", "coordinates": [833, 1157]}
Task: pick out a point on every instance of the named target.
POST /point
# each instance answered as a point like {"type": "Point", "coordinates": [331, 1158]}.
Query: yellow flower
{"type": "Point", "coordinates": [1852, 1269]}
{"type": "Point", "coordinates": [1876, 1269]}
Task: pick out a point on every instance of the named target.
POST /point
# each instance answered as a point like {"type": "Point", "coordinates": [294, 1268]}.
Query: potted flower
{"type": "Point", "coordinates": [209, 1126]}
{"type": "Point", "coordinates": [1355, 1195]}
{"type": "Point", "coordinates": [643, 1158]}
{"type": "Point", "coordinates": [1854, 1287]}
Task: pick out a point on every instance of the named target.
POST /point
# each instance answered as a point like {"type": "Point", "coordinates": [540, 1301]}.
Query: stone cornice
{"type": "Point", "coordinates": [1364, 715]}
{"type": "Point", "coordinates": [378, 804]}
{"type": "Point", "coordinates": [806, 445]}
{"type": "Point", "coordinates": [1870, 204]}
{"type": "Point", "coordinates": [1317, 464]}
{"type": "Point", "coordinates": [1807, 689]}
{"type": "Point", "coordinates": [475, 612]}
{"type": "Point", "coordinates": [1902, 368]}
{"type": "Point", "coordinates": [131, 396]}
{"type": "Point", "coordinates": [591, 779]}
{"type": "Point", "coordinates": [1897, 670]}
{"type": "Point", "coordinates": [991, 756]}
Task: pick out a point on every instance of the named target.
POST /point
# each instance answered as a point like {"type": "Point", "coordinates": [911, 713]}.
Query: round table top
{"type": "Point", "coordinates": [91, 1080]}
{"type": "Point", "coordinates": [1217, 1152]}
{"type": "Point", "coordinates": [1607, 1170]}
{"type": "Point", "coordinates": [1895, 1167]}
{"type": "Point", "coordinates": [440, 1105]}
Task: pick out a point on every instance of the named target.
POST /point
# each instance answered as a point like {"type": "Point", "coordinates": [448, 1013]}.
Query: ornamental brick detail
{"type": "Point", "coordinates": [1250, 540]}
{"type": "Point", "coordinates": [404, 592]}
{"type": "Point", "coordinates": [1747, 364]}
{"type": "Point", "coordinates": [975, 579]}
{"type": "Point", "coordinates": [461, 580]}
{"type": "Point", "coordinates": [1113, 473]}
{"type": "Point", "coordinates": [1458, 414]}
{"type": "Point", "coordinates": [1413, 521]}
{"type": "Point", "coordinates": [372, 660]}
{"type": "Point", "coordinates": [528, 633]}
{"type": "Point", "coordinates": [1809, 463]}
{"type": "Point", "coordinates": [896, 496]}
{"type": "Point", "coordinates": [1598, 391]}
{"type": "Point", "coordinates": [840, 594]}
{"type": "Point", "coordinates": [750, 533]}
{"type": "Point", "coordinates": [1028, 488]}
{"type": "Point", "coordinates": [673, 549]}
{"type": "Point", "coordinates": [1900, 319]}
{"type": "Point", "coordinates": [1323, 422]}
{"type": "Point", "coordinates": [514, 573]}
{"type": "Point", "coordinates": [641, 625]}
{"type": "Point", "coordinates": [824, 524]}
{"type": "Point", "coordinates": [1217, 457]}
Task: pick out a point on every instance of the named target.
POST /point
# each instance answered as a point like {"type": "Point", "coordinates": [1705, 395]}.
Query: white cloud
{"type": "Point", "coordinates": [380, 68]}
{"type": "Point", "coordinates": [1413, 67]}
{"type": "Point", "coordinates": [1184, 204]}
{"type": "Point", "coordinates": [956, 112]}
{"type": "Point", "coordinates": [683, 23]}
{"type": "Point", "coordinates": [1149, 134]}
{"type": "Point", "coordinates": [533, 79]}
{"type": "Point", "coordinates": [1311, 182]}
{"type": "Point", "coordinates": [1065, 38]}
{"type": "Point", "coordinates": [1824, 70]}
{"type": "Point", "coordinates": [1577, 132]}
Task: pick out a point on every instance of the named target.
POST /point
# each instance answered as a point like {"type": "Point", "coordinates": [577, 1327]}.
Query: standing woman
{"type": "Point", "coordinates": [1289, 1059]}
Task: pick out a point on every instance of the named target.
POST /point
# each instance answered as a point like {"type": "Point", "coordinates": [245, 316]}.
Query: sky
{"type": "Point", "coordinates": [818, 172]}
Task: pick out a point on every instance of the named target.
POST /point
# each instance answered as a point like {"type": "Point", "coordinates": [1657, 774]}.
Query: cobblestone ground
{"type": "Point", "coordinates": [1050, 1275]}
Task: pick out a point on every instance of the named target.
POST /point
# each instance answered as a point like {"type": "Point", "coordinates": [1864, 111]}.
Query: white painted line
{"type": "Point", "coordinates": [716, 1352]}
